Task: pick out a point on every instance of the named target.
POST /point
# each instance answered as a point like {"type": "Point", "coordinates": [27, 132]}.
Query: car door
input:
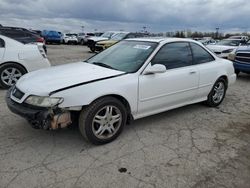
{"type": "Point", "coordinates": [2, 49]}
{"type": "Point", "coordinates": [207, 67]}
{"type": "Point", "coordinates": [176, 87]}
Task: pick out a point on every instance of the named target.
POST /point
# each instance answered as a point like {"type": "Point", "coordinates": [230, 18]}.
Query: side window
{"type": "Point", "coordinates": [130, 36]}
{"type": "Point", "coordinates": [2, 43]}
{"type": "Point", "coordinates": [200, 54]}
{"type": "Point", "coordinates": [174, 55]}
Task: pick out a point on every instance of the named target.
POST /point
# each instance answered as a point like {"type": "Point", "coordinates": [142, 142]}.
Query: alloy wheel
{"type": "Point", "coordinates": [106, 122]}
{"type": "Point", "coordinates": [218, 92]}
{"type": "Point", "coordinates": [10, 75]}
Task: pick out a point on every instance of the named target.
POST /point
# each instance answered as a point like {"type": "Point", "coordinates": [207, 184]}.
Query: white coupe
{"type": "Point", "coordinates": [16, 59]}
{"type": "Point", "coordinates": [134, 78]}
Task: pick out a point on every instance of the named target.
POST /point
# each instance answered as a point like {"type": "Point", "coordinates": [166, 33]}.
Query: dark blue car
{"type": "Point", "coordinates": [52, 36]}
{"type": "Point", "coordinates": [241, 59]}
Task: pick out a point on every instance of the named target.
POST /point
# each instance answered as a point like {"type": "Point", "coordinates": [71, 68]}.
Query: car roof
{"type": "Point", "coordinates": [161, 39]}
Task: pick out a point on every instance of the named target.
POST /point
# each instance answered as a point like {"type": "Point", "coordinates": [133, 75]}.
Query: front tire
{"type": "Point", "coordinates": [103, 120]}
{"type": "Point", "coordinates": [9, 74]}
{"type": "Point", "coordinates": [237, 72]}
{"type": "Point", "coordinates": [217, 94]}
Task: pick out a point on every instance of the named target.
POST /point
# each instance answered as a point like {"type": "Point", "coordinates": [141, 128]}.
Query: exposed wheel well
{"type": "Point", "coordinates": [14, 63]}
{"type": "Point", "coordinates": [225, 78]}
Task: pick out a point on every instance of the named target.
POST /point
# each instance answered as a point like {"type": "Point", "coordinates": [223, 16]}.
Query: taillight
{"type": "Point", "coordinates": [40, 39]}
{"type": "Point", "coordinates": [41, 50]}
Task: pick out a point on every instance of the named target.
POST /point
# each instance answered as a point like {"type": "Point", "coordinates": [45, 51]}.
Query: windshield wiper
{"type": "Point", "coordinates": [104, 65]}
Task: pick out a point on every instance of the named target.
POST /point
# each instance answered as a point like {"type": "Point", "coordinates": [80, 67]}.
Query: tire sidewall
{"type": "Point", "coordinates": [88, 132]}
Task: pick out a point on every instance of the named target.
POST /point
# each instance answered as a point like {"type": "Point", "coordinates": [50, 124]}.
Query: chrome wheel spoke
{"type": "Point", "coordinates": [111, 129]}
{"type": "Point", "coordinates": [100, 130]}
{"type": "Point", "coordinates": [13, 70]}
{"type": "Point", "coordinates": [6, 72]}
{"type": "Point", "coordinates": [99, 119]}
{"type": "Point", "coordinates": [109, 110]}
{"type": "Point", "coordinates": [10, 82]}
{"type": "Point", "coordinates": [116, 118]}
{"type": "Point", "coordinates": [18, 75]}
{"type": "Point", "coordinates": [5, 77]}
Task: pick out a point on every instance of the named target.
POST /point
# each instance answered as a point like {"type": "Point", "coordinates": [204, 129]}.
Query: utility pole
{"type": "Point", "coordinates": [217, 32]}
{"type": "Point", "coordinates": [82, 29]}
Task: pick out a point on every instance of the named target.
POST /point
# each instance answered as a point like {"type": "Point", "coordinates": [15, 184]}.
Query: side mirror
{"type": "Point", "coordinates": [157, 68]}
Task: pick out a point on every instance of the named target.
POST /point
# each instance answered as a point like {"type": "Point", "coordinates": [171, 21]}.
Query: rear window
{"type": "Point", "coordinates": [19, 35]}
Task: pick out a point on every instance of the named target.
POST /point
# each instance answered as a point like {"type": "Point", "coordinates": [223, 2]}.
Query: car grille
{"type": "Point", "coordinates": [243, 57]}
{"type": "Point", "coordinates": [17, 93]}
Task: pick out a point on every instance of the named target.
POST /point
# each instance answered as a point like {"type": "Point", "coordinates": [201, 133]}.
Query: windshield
{"type": "Point", "coordinates": [119, 36]}
{"type": "Point", "coordinates": [70, 35]}
{"type": "Point", "coordinates": [107, 34]}
{"type": "Point", "coordinates": [126, 56]}
{"type": "Point", "coordinates": [229, 42]}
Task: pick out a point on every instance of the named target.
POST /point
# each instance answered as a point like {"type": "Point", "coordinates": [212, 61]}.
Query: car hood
{"type": "Point", "coordinates": [244, 48]}
{"type": "Point", "coordinates": [45, 81]}
{"type": "Point", "coordinates": [96, 39]}
{"type": "Point", "coordinates": [108, 42]}
{"type": "Point", "coordinates": [220, 48]}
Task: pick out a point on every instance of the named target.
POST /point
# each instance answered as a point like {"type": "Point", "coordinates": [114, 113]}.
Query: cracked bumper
{"type": "Point", "coordinates": [36, 116]}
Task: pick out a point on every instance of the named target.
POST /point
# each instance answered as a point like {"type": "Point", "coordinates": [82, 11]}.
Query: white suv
{"type": "Point", "coordinates": [132, 79]}
{"type": "Point", "coordinates": [70, 38]}
{"type": "Point", "coordinates": [17, 58]}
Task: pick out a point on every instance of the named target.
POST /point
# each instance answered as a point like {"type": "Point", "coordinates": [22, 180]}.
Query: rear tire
{"type": "Point", "coordinates": [103, 120]}
{"type": "Point", "coordinates": [9, 74]}
{"type": "Point", "coordinates": [217, 94]}
{"type": "Point", "coordinates": [92, 49]}
{"type": "Point", "coordinates": [237, 72]}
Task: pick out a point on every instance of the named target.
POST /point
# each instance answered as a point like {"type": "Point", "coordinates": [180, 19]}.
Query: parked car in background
{"type": "Point", "coordinates": [37, 32]}
{"type": "Point", "coordinates": [69, 38]}
{"type": "Point", "coordinates": [52, 36]}
{"type": "Point", "coordinates": [22, 35]}
{"type": "Point", "coordinates": [243, 38]}
{"type": "Point", "coordinates": [102, 45]}
{"type": "Point", "coordinates": [105, 36]}
{"type": "Point", "coordinates": [17, 58]}
{"type": "Point", "coordinates": [132, 79]}
{"type": "Point", "coordinates": [226, 46]}
{"type": "Point", "coordinates": [207, 41]}
{"type": "Point", "coordinates": [98, 34]}
{"type": "Point", "coordinates": [241, 59]}
{"type": "Point", "coordinates": [83, 37]}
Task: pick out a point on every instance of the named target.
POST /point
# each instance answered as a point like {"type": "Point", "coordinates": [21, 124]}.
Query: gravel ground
{"type": "Point", "coordinates": [193, 146]}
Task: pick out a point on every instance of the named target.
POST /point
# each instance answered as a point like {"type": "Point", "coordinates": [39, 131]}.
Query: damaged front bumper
{"type": "Point", "coordinates": [40, 118]}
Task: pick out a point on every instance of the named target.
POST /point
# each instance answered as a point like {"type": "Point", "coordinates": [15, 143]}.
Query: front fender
{"type": "Point", "coordinates": [125, 86]}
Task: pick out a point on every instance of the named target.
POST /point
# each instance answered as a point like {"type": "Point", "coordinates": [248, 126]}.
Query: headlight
{"type": "Point", "coordinates": [232, 55]}
{"type": "Point", "coordinates": [43, 101]}
{"type": "Point", "coordinates": [227, 51]}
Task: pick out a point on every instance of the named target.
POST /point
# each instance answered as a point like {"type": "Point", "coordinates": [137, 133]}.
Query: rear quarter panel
{"type": "Point", "coordinates": [212, 71]}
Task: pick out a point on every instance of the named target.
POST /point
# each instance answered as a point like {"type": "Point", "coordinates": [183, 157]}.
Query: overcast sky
{"type": "Point", "coordinates": [130, 15]}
